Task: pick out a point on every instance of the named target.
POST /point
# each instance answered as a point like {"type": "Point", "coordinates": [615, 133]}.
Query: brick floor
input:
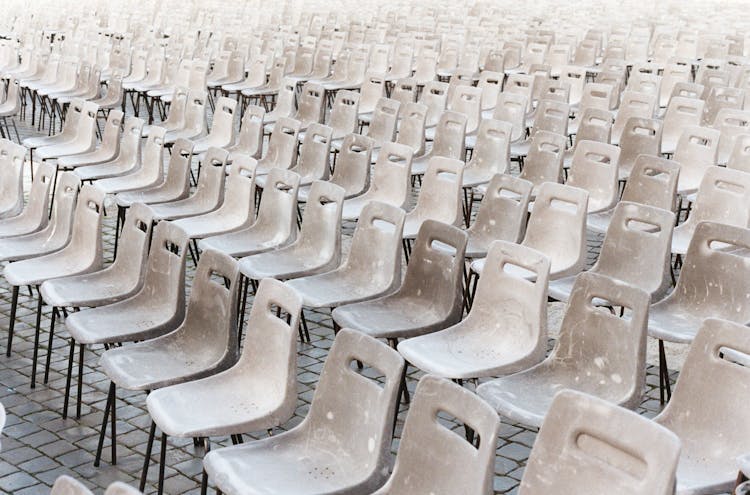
{"type": "Point", "coordinates": [38, 445]}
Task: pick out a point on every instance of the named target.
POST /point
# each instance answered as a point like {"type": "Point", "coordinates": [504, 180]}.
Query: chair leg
{"type": "Point", "coordinates": [71, 357]}
{"type": "Point", "coordinates": [37, 330]}
{"type": "Point", "coordinates": [664, 384]}
{"type": "Point", "coordinates": [49, 345]}
{"type": "Point", "coordinates": [109, 408]}
{"type": "Point", "coordinates": [162, 462]}
{"type": "Point", "coordinates": [304, 327]}
{"type": "Point", "coordinates": [147, 459]}
{"type": "Point", "coordinates": [12, 323]}
{"type": "Point", "coordinates": [204, 475]}
{"type": "Point", "coordinates": [81, 350]}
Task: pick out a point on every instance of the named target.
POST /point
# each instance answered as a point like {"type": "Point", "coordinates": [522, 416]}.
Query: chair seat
{"type": "Point", "coordinates": [128, 182]}
{"type": "Point", "coordinates": [561, 288]}
{"type": "Point", "coordinates": [37, 270]}
{"type": "Point", "coordinates": [213, 223]}
{"type": "Point", "coordinates": [333, 289]}
{"type": "Point", "coordinates": [105, 170]}
{"type": "Point", "coordinates": [96, 289]}
{"type": "Point", "coordinates": [673, 323]}
{"type": "Point", "coordinates": [392, 317]}
{"type": "Point", "coordinates": [64, 149]}
{"type": "Point", "coordinates": [149, 196]}
{"type": "Point", "coordinates": [94, 158]}
{"type": "Point", "coordinates": [286, 264]}
{"type": "Point", "coordinates": [247, 406]}
{"type": "Point", "coordinates": [599, 222]}
{"type": "Point", "coordinates": [474, 176]}
{"type": "Point", "coordinates": [283, 465]}
{"type": "Point", "coordinates": [180, 209]}
{"type": "Point", "coordinates": [243, 242]}
{"type": "Point", "coordinates": [20, 225]}
{"type": "Point", "coordinates": [464, 351]}
{"type": "Point", "coordinates": [697, 476]}
{"type": "Point", "coordinates": [158, 363]}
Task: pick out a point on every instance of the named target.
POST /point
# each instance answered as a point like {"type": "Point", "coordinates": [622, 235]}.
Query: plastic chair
{"type": "Point", "coordinates": [640, 137]}
{"type": "Point", "coordinates": [372, 268]}
{"type": "Point", "coordinates": [352, 170]}
{"type": "Point", "coordinates": [740, 156]}
{"type": "Point", "coordinates": [404, 91]}
{"type": "Point", "coordinates": [195, 119]}
{"type": "Point", "coordinates": [429, 454]}
{"type": "Point", "coordinates": [260, 390]}
{"type": "Point", "coordinates": [435, 98]}
{"type": "Point", "coordinates": [250, 138]}
{"type": "Point", "coordinates": [635, 250]}
{"type": "Point", "coordinates": [282, 147]}
{"type": "Point", "coordinates": [598, 352]}
{"type": "Point", "coordinates": [343, 118]}
{"type": "Point", "coordinates": [390, 183]}
{"type": "Point", "coordinates": [65, 485]}
{"type": "Point", "coordinates": [151, 172]}
{"type": "Point", "coordinates": [544, 163]}
{"type": "Point", "coordinates": [108, 150]}
{"type": "Point", "coordinates": [595, 169]}
{"type": "Point", "coordinates": [208, 195]}
{"type": "Point", "coordinates": [652, 182]}
{"type": "Point", "coordinates": [310, 105]}
{"type": "Point", "coordinates": [285, 103]}
{"type": "Point", "coordinates": [550, 116]}
{"type": "Point", "coordinates": [672, 74]}
{"type": "Point", "coordinates": [222, 127]}
{"type": "Point", "coordinates": [274, 225]}
{"type": "Point", "coordinates": [450, 141]}
{"type": "Point", "coordinates": [697, 150]}
{"type": "Point", "coordinates": [556, 228]}
{"type": "Point", "coordinates": [430, 297]}
{"type": "Point", "coordinates": [119, 488]}
{"type": "Point", "coordinates": [204, 344]}
{"type": "Point", "coordinates": [11, 179]}
{"type": "Point", "coordinates": [384, 122]}
{"type": "Point", "coordinates": [373, 89]}
{"type": "Point", "coordinates": [586, 441]}
{"type": "Point", "coordinates": [632, 104]}
{"type": "Point", "coordinates": [709, 381]}
{"type": "Point", "coordinates": [511, 107]}
{"type": "Point", "coordinates": [732, 124]}
{"type": "Point", "coordinates": [682, 112]}
{"type": "Point", "coordinates": [491, 153]}
{"type": "Point", "coordinates": [317, 249]}
{"type": "Point", "coordinates": [722, 197]}
{"type": "Point", "coordinates": [82, 141]}
{"type": "Point", "coordinates": [325, 454]}
{"type": "Point", "coordinates": [506, 328]}
{"type": "Point", "coordinates": [313, 162]}
{"type": "Point", "coordinates": [128, 157]}
{"type": "Point", "coordinates": [439, 197]}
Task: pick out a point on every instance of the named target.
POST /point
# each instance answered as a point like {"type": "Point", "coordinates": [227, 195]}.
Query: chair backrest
{"type": "Point", "coordinates": [313, 162]}
{"type": "Point", "coordinates": [426, 68]}
{"type": "Point", "coordinates": [177, 109]}
{"type": "Point", "coordinates": [723, 196]}
{"type": "Point", "coordinates": [311, 104]}
{"type": "Point", "coordinates": [740, 157]}
{"type": "Point", "coordinates": [278, 205]}
{"type": "Point", "coordinates": [433, 458]}
{"type": "Point", "coordinates": [130, 143]}
{"type": "Point", "coordinates": [731, 123]}
{"type": "Point", "coordinates": [435, 271]}
{"type": "Point", "coordinates": [681, 112]}
{"type": "Point", "coordinates": [450, 136]}
{"type": "Point", "coordinates": [392, 174]}
{"type": "Point", "coordinates": [522, 84]}
{"type": "Point", "coordinates": [11, 177]}
{"type": "Point", "coordinates": [511, 107]}
{"type": "Point", "coordinates": [285, 100]}
{"type": "Point", "coordinates": [210, 189]}
{"type": "Point", "coordinates": [111, 133]}
{"type": "Point", "coordinates": [132, 250]}
{"type": "Point", "coordinates": [65, 485]}
{"type": "Point", "coordinates": [320, 233]}
{"type": "Point", "coordinates": [491, 83]}
{"type": "Point", "coordinates": [373, 89]}
{"type": "Point", "coordinates": [351, 408]}
{"type": "Point", "coordinates": [60, 226]}
{"type": "Point", "coordinates": [722, 97]}
{"type": "Point", "coordinates": [492, 148]}
{"type": "Point", "coordinates": [411, 128]}
{"type": "Point", "coordinates": [384, 121]}
{"type": "Point", "coordinates": [672, 74]}
{"type": "Point", "coordinates": [343, 117]}
{"type": "Point", "coordinates": [557, 227]}
{"type": "Point", "coordinates": [222, 125]}
{"type": "Point", "coordinates": [352, 170]}
{"type": "Point", "coordinates": [404, 90]}
{"type": "Point", "coordinates": [636, 247]}
{"type": "Point", "coordinates": [86, 236]}
{"type": "Point", "coordinates": [195, 111]}
{"type": "Point", "coordinates": [210, 325]}
{"type": "Point", "coordinates": [153, 155]}
{"type": "Point", "coordinates": [652, 182]}
{"type": "Point", "coordinates": [37, 206]}
{"type": "Point", "coordinates": [282, 145]}
{"type": "Point", "coordinates": [440, 195]}
{"type": "Point", "coordinates": [250, 138]}
{"type": "Point", "coordinates": [595, 169]}
{"type": "Point", "coordinates": [715, 364]}
{"type": "Point", "coordinates": [555, 90]}
{"type": "Point", "coordinates": [120, 488]}
{"type": "Point", "coordinates": [468, 101]}
{"type": "Point", "coordinates": [595, 125]}
{"type": "Point", "coordinates": [552, 116]}
{"type": "Point", "coordinates": [435, 97]}
{"type": "Point", "coordinates": [544, 162]}
{"type": "Point", "coordinates": [596, 95]}
{"type": "Point", "coordinates": [697, 149]}
{"type": "Point", "coordinates": [582, 442]}
{"type": "Point", "coordinates": [640, 137]}
{"type": "Point", "coordinates": [503, 211]}
{"type": "Point", "coordinates": [633, 104]}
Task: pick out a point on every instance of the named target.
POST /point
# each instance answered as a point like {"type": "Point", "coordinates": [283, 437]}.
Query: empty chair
{"type": "Point", "coordinates": [434, 459]}
{"type": "Point", "coordinates": [506, 328]}
{"type": "Point", "coordinates": [511, 107]}
{"type": "Point", "coordinates": [598, 352]}
{"type": "Point", "coordinates": [373, 89]}
{"type": "Point", "coordinates": [11, 179]}
{"type": "Point", "coordinates": [372, 268]}
{"type": "Point", "coordinates": [151, 172]}
{"type": "Point", "coordinates": [491, 153]}
{"type": "Point", "coordinates": [583, 442]}
{"type": "Point", "coordinates": [732, 124]}
{"type": "Point", "coordinates": [723, 197]}
{"type": "Point", "coordinates": [208, 195]}
{"type": "Point", "coordinates": [274, 225]}
{"type": "Point", "coordinates": [352, 170]}
{"type": "Point", "coordinates": [502, 214]}
{"type": "Point", "coordinates": [82, 139]}
{"type": "Point", "coordinates": [721, 97]}
{"type": "Point", "coordinates": [222, 127]}
{"type": "Point", "coordinates": [635, 250]}
{"type": "Point", "coordinates": [343, 118]}
{"type": "Point", "coordinates": [450, 138]}
{"type": "Point", "coordinates": [544, 163]}
{"type": "Point", "coordinates": [652, 182]}
{"type": "Point", "coordinates": [467, 100]}
{"type": "Point", "coordinates": [595, 125]}
{"type": "Point", "coordinates": [317, 249]}
{"type": "Point", "coordinates": [633, 104]}
{"type": "Point", "coordinates": [435, 97]}
{"type": "Point", "coordinates": [285, 103]}
{"type": "Point", "coordinates": [430, 297]}
{"type": "Point", "coordinates": [640, 137]}
{"type": "Point", "coordinates": [740, 156]}
{"type": "Point", "coordinates": [108, 149]}
{"type": "Point", "coordinates": [310, 106]}
{"type": "Point", "coordinates": [313, 162]}
{"type": "Point", "coordinates": [194, 124]}
{"type": "Point", "coordinates": [709, 382]}
{"type": "Point", "coordinates": [550, 116]}
{"type": "Point", "coordinates": [384, 122]}
{"type": "Point", "coordinates": [282, 146]}
{"type": "Point", "coordinates": [682, 112]}
{"type": "Point", "coordinates": [557, 228]}
{"type": "Point", "coordinates": [697, 150]}
{"type": "Point", "coordinates": [250, 138]}
{"type": "Point", "coordinates": [390, 183]}
{"type": "Point", "coordinates": [595, 169]}
{"type": "Point", "coordinates": [128, 157]}
{"type": "Point", "coordinates": [355, 452]}
{"type": "Point", "coordinates": [439, 197]}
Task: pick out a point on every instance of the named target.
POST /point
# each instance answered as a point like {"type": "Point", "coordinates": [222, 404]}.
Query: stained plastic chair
{"type": "Point", "coordinates": [511, 107]}
{"type": "Point", "coordinates": [67, 134]}
{"type": "Point", "coordinates": [310, 105]}
{"type": "Point", "coordinates": [221, 134]}
{"type": "Point", "coordinates": [708, 383]}
{"type": "Point", "coordinates": [352, 170]}
{"type": "Point", "coordinates": [544, 163]}
{"type": "Point", "coordinates": [449, 142]}
{"type": "Point", "coordinates": [652, 182]}
{"type": "Point", "coordinates": [502, 214]}
{"type": "Point", "coordinates": [640, 137]}
{"type": "Point", "coordinates": [313, 162]}
{"type": "Point", "coordinates": [556, 228]}
{"type": "Point", "coordinates": [586, 441]}
{"type": "Point", "coordinates": [491, 153]}
{"type": "Point", "coordinates": [204, 344]}
{"type": "Point", "coordinates": [404, 90]}
{"type": "Point", "coordinates": [208, 195]}
{"type": "Point", "coordinates": [696, 151]}
{"type": "Point", "coordinates": [721, 97]}
{"type": "Point", "coordinates": [429, 454]}
{"type": "Point", "coordinates": [285, 103]}
{"type": "Point", "coordinates": [411, 127]}
{"type": "Point", "coordinates": [682, 112]}
{"type": "Point", "coordinates": [235, 213]}
{"type": "Point", "coordinates": [260, 390]}
{"type": "Point", "coordinates": [506, 328]}
{"type": "Point", "coordinates": [128, 157]}
{"type": "Point", "coordinates": [595, 125]}
{"type": "Point", "coordinates": [373, 265]}
{"type": "Point", "coordinates": [384, 122]}
{"type": "Point", "coordinates": [107, 151]}
{"type": "Point", "coordinates": [151, 172]}
{"type": "Point", "coordinates": [325, 454]}
{"type": "Point", "coordinates": [439, 197]}
{"type": "Point", "coordinates": [250, 137]}
{"type": "Point", "coordinates": [732, 124]}
{"type": "Point", "coordinates": [595, 169]}
{"type": "Point", "coordinates": [82, 253]}
{"type": "Point", "coordinates": [435, 97]}
{"type": "Point", "coordinates": [722, 197]}
{"type": "Point", "coordinates": [343, 118]}
{"type": "Point", "coordinates": [83, 140]}
{"type": "Point", "coordinates": [11, 179]}
{"type": "Point", "coordinates": [274, 226]}
{"type": "Point", "coordinates": [632, 104]}
{"type": "Point", "coordinates": [194, 124]}
{"type": "Point", "coordinates": [467, 100]}
{"type": "Point", "coordinates": [739, 159]}
{"type": "Point", "coordinates": [598, 353]}
{"type": "Point", "coordinates": [430, 298]}
{"type": "Point", "coordinates": [176, 116]}
{"type": "Point", "coordinates": [635, 250]}
{"type": "Point", "coordinates": [282, 146]}
{"type": "Point", "coordinates": [317, 248]}
{"type": "Point", "coordinates": [390, 183]}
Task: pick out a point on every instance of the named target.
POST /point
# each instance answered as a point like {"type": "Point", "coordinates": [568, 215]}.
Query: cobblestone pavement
{"type": "Point", "coordinates": [38, 445]}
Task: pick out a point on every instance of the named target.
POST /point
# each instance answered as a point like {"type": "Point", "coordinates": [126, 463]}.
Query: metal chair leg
{"type": "Point", "coordinates": [71, 357]}
{"type": "Point", "coordinates": [147, 458]}
{"type": "Point", "coordinates": [12, 323]}
{"type": "Point", "coordinates": [49, 345]}
{"type": "Point", "coordinates": [109, 408]}
{"type": "Point", "coordinates": [37, 330]}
